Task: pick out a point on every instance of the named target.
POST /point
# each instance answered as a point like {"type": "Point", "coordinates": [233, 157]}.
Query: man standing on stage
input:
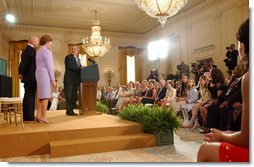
{"type": "Point", "coordinates": [27, 69]}
{"type": "Point", "coordinates": [71, 80]}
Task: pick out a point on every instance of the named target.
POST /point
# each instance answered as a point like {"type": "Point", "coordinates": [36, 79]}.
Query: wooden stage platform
{"type": "Point", "coordinates": [71, 135]}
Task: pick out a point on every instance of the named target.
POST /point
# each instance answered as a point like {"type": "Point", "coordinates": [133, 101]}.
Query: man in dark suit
{"type": "Point", "coordinates": [71, 80]}
{"type": "Point", "coordinates": [27, 69]}
{"type": "Point", "coordinates": [162, 91]}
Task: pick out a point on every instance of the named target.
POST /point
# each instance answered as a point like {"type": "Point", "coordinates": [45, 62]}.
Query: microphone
{"type": "Point", "coordinates": [91, 60]}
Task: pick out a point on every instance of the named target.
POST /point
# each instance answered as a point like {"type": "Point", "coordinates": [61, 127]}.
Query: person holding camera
{"type": "Point", "coordinates": [231, 60]}
{"type": "Point", "coordinates": [183, 69]}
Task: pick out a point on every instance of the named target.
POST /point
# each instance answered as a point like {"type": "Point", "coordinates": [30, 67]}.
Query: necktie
{"type": "Point", "coordinates": [157, 97]}
{"type": "Point", "coordinates": [77, 61]}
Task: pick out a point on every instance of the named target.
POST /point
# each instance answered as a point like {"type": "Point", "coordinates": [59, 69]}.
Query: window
{"type": "Point", "coordinates": [131, 68]}
{"type": "Point", "coordinates": [158, 49]}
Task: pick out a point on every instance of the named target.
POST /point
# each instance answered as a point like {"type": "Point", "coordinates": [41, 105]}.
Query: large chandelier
{"type": "Point", "coordinates": [161, 9]}
{"type": "Point", "coordinates": [96, 46]}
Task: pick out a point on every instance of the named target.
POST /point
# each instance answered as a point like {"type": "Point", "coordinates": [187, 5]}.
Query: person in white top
{"type": "Point", "coordinates": [170, 94]}
{"type": "Point", "coordinates": [55, 99]}
{"type": "Point", "coordinates": [99, 93]}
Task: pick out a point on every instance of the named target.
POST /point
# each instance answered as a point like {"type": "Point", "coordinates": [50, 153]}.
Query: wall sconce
{"type": "Point", "coordinates": [109, 73]}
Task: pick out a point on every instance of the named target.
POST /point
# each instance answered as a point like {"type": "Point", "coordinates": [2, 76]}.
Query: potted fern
{"type": "Point", "coordinates": [159, 121]}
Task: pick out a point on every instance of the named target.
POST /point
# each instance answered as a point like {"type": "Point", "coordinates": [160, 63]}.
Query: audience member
{"type": "Point", "coordinates": [98, 93]}
{"type": "Point", "coordinates": [54, 99]}
{"type": "Point", "coordinates": [192, 97]}
{"type": "Point", "coordinates": [161, 93]}
{"type": "Point", "coordinates": [153, 75]}
{"type": "Point", "coordinates": [181, 96]}
{"type": "Point", "coordinates": [183, 69]}
{"type": "Point", "coordinates": [150, 95]}
{"type": "Point", "coordinates": [231, 60]}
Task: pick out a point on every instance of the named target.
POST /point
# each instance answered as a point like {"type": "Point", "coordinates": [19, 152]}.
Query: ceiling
{"type": "Point", "coordinates": [115, 15]}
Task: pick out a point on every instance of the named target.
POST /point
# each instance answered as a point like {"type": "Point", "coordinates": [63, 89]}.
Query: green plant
{"type": "Point", "coordinates": [154, 119]}
{"type": "Point", "coordinates": [133, 113]}
{"type": "Point", "coordinates": [101, 107]}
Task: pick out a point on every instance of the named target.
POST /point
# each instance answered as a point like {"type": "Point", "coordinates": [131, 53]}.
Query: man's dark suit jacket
{"type": "Point", "coordinates": [72, 70]}
{"type": "Point", "coordinates": [162, 93]}
{"type": "Point", "coordinates": [27, 65]}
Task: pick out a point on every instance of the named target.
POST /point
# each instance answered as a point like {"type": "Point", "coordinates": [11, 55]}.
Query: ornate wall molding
{"type": "Point", "coordinates": [48, 29]}
{"type": "Point", "coordinates": [68, 31]}
{"type": "Point", "coordinates": [205, 48]}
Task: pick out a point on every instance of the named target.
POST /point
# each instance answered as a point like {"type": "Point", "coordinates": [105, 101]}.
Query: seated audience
{"type": "Point", "coordinates": [215, 86]}
{"type": "Point", "coordinates": [137, 94]}
{"type": "Point", "coordinates": [205, 97]}
{"type": "Point", "coordinates": [232, 147]}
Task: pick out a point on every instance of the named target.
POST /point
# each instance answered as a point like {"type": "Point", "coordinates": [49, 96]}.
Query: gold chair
{"type": "Point", "coordinates": [12, 107]}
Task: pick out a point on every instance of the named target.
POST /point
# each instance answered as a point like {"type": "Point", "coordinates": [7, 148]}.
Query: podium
{"type": "Point", "coordinates": [89, 78]}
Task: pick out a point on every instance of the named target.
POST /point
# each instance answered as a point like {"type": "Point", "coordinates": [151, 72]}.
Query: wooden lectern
{"type": "Point", "coordinates": [89, 78]}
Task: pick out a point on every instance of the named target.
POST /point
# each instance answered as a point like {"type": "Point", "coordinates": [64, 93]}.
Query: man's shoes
{"type": "Point", "coordinates": [71, 114]}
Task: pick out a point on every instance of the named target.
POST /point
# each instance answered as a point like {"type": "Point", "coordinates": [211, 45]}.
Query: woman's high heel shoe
{"type": "Point", "coordinates": [37, 120]}
{"type": "Point", "coordinates": [45, 121]}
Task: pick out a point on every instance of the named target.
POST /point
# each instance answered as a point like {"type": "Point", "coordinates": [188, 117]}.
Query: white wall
{"type": "Point", "coordinates": [63, 37]}
{"type": "Point", "coordinates": [201, 32]}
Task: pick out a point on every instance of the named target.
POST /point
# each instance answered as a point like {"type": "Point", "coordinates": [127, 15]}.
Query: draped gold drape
{"type": "Point", "coordinates": [82, 52]}
{"type": "Point", "coordinates": [169, 69]}
{"type": "Point", "coordinates": [122, 62]}
{"type": "Point", "coordinates": [15, 51]}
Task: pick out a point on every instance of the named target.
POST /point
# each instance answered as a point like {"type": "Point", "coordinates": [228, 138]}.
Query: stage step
{"type": "Point", "coordinates": [95, 132]}
{"type": "Point", "coordinates": [100, 144]}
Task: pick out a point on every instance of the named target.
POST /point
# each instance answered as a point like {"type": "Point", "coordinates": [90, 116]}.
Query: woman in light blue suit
{"type": "Point", "coordinates": [192, 97]}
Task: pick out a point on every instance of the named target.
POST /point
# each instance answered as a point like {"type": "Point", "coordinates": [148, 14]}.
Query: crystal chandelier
{"type": "Point", "coordinates": [161, 9]}
{"type": "Point", "coordinates": [96, 46]}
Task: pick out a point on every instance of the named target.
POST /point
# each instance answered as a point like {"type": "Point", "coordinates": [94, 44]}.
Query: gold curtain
{"type": "Point", "coordinates": [82, 52]}
{"type": "Point", "coordinates": [169, 69]}
{"type": "Point", "coordinates": [122, 62]}
{"type": "Point", "coordinates": [15, 51]}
